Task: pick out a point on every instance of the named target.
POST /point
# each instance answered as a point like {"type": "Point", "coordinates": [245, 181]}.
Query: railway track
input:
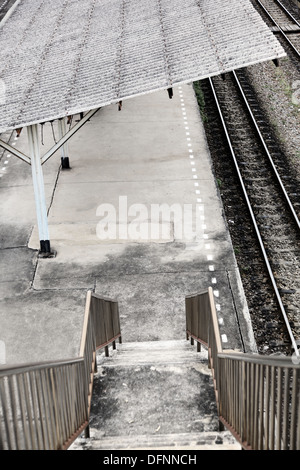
{"type": "Point", "coordinates": [261, 204]}
{"type": "Point", "coordinates": [283, 24]}
{"type": "Point", "coordinates": [5, 5]}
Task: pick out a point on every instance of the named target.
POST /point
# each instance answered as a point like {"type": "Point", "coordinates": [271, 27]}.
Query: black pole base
{"type": "Point", "coordinates": [170, 93]}
{"type": "Point", "coordinates": [65, 164]}
{"type": "Point", "coordinates": [87, 432]}
{"type": "Point", "coordinates": [45, 250]}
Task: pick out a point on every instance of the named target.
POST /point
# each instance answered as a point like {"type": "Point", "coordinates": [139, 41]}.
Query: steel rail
{"type": "Point", "coordinates": [288, 12]}
{"type": "Point", "coordinates": [267, 151]}
{"type": "Point", "coordinates": [271, 275]}
{"type": "Point", "coordinates": [279, 28]}
{"type": "Point", "coordinates": [9, 12]}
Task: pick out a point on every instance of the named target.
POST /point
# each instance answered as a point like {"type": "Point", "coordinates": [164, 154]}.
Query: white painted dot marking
{"type": "Point", "coordinates": [224, 338]}
{"type": "Point", "coordinates": [210, 257]}
{"type": "Point", "coordinates": [216, 293]}
{"type": "Point", "coordinates": [195, 177]}
{"type": "Point", "coordinates": [207, 246]}
{"type": "Point", "coordinates": [218, 307]}
{"type": "Point", "coordinates": [213, 280]}
{"type": "Point", "coordinates": [211, 267]}
{"type": "Point", "coordinates": [197, 191]}
{"type": "Point", "coordinates": [221, 321]}
{"type": "Point", "coordinates": [196, 184]}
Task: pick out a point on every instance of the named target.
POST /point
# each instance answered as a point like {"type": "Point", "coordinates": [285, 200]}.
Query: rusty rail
{"type": "Point", "coordinates": [46, 406]}
{"type": "Point", "coordinates": [258, 397]}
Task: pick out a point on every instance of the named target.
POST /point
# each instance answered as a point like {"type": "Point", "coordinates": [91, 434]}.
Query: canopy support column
{"type": "Point", "coordinates": [64, 149]}
{"type": "Point", "coordinates": [39, 191]}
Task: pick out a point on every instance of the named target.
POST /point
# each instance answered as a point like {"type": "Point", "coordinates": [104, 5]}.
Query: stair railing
{"type": "Point", "coordinates": [46, 406]}
{"type": "Point", "coordinates": [258, 397]}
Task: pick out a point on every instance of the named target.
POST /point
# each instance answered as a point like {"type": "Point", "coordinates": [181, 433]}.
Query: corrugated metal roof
{"type": "Point", "coordinates": [68, 56]}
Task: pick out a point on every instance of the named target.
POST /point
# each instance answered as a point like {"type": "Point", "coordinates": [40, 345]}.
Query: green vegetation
{"type": "Point", "coordinates": [201, 100]}
{"type": "Point", "coordinates": [287, 89]}
{"type": "Point", "coordinates": [237, 250]}
{"type": "Point", "coordinates": [219, 182]}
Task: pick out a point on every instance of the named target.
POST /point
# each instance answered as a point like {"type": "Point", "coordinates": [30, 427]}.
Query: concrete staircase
{"type": "Point", "coordinates": [154, 395]}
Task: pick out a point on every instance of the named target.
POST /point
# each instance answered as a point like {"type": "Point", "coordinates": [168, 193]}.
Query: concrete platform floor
{"type": "Point", "coordinates": [103, 224]}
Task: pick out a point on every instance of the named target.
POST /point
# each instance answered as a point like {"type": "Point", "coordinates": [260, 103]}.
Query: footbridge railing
{"type": "Point", "coordinates": [258, 397]}
{"type": "Point", "coordinates": [46, 406]}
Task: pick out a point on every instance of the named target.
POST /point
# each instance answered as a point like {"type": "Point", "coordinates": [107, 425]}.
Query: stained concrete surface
{"type": "Point", "coordinates": [149, 400]}
{"type": "Point", "coordinates": [141, 153]}
{"type": "Point", "coordinates": [154, 395]}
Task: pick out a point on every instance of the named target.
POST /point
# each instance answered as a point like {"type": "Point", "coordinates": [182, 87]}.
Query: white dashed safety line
{"type": "Point", "coordinates": [210, 257]}
{"type": "Point", "coordinates": [3, 170]}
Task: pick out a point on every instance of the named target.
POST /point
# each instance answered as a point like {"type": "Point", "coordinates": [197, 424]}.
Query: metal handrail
{"type": "Point", "coordinates": [258, 397]}
{"type": "Point", "coordinates": [34, 366]}
{"type": "Point", "coordinates": [45, 406]}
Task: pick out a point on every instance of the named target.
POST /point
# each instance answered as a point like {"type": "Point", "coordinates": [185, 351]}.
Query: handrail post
{"type": "Point", "coordinates": [87, 432]}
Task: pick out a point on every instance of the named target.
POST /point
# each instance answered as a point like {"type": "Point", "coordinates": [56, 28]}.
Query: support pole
{"type": "Point", "coordinates": [69, 134]}
{"type": "Point", "coordinates": [170, 93]}
{"type": "Point", "coordinates": [64, 149]}
{"type": "Point", "coordinates": [15, 152]}
{"type": "Point", "coordinates": [39, 191]}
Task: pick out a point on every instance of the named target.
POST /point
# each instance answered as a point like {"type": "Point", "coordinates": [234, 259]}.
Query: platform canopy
{"type": "Point", "coordinates": [63, 57]}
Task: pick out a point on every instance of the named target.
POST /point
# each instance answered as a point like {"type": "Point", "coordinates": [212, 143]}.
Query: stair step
{"type": "Point", "coordinates": [180, 441]}
{"type": "Point", "coordinates": [154, 395]}
{"type": "Point", "coordinates": [134, 353]}
{"type": "Point", "coordinates": [159, 386]}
